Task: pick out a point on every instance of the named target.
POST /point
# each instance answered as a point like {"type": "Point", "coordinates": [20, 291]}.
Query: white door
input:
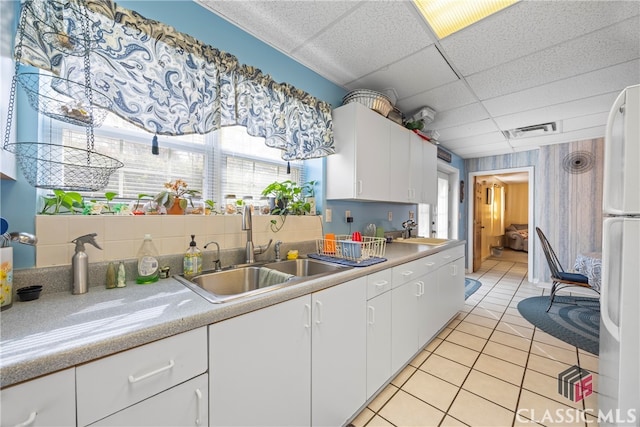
{"type": "Point", "coordinates": [338, 358]}
{"type": "Point", "coordinates": [442, 219]}
{"type": "Point", "coordinates": [264, 377]}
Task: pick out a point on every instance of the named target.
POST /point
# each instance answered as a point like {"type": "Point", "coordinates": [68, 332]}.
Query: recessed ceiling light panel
{"type": "Point", "coordinates": [448, 16]}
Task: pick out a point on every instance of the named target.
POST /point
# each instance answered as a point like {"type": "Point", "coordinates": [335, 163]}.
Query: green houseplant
{"type": "Point", "coordinates": [69, 200]}
{"type": "Point", "coordinates": [288, 198]}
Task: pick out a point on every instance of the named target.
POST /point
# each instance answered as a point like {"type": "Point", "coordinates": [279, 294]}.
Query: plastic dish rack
{"type": "Point", "coordinates": [345, 248]}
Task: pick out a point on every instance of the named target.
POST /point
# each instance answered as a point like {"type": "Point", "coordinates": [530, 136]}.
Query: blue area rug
{"type": "Point", "coordinates": [470, 286]}
{"type": "Point", "coordinates": [574, 320]}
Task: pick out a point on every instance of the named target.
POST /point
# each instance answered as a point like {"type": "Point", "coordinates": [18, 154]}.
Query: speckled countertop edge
{"type": "Point", "coordinates": [61, 330]}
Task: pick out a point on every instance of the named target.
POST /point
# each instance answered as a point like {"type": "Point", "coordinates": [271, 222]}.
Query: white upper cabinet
{"type": "Point", "coordinates": [359, 169]}
{"type": "Point", "coordinates": [376, 159]}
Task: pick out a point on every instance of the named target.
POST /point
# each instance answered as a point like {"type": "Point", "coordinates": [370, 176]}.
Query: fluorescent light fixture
{"type": "Point", "coordinates": [448, 16]}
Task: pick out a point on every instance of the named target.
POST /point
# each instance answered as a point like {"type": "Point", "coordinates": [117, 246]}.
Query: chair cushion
{"type": "Point", "coordinates": [573, 277]}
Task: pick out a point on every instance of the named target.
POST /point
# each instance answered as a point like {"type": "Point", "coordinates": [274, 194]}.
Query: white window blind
{"type": "Point", "coordinates": [227, 161]}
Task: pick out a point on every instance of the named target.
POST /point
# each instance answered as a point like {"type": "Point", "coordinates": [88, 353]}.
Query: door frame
{"type": "Point", "coordinates": [530, 214]}
{"type": "Point", "coordinates": [454, 189]}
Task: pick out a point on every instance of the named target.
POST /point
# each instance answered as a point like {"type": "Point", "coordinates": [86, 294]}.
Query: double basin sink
{"type": "Point", "coordinates": [252, 279]}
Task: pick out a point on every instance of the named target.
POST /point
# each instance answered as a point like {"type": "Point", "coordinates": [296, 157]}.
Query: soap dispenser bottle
{"type": "Point", "coordinates": [148, 266]}
{"type": "Point", "coordinates": [192, 263]}
{"type": "Point", "coordinates": [80, 263]}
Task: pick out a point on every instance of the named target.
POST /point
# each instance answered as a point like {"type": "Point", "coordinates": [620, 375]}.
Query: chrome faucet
{"type": "Point", "coordinates": [276, 248]}
{"type": "Point", "coordinates": [216, 262]}
{"type": "Point", "coordinates": [250, 250]}
{"type": "Point", "coordinates": [408, 225]}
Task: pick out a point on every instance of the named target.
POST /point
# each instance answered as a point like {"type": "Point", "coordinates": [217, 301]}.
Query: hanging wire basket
{"type": "Point", "coordinates": [62, 167]}
{"type": "Point", "coordinates": [56, 24]}
{"type": "Point", "coordinates": [64, 99]}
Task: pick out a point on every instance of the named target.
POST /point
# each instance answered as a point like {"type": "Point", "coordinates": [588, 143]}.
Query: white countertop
{"type": "Point", "coordinates": [61, 330]}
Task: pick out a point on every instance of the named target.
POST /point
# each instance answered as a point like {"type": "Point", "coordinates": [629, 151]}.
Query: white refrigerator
{"type": "Point", "coordinates": [619, 360]}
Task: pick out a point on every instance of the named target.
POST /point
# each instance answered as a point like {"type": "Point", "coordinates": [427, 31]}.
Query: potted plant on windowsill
{"type": "Point", "coordinates": [288, 198]}
{"type": "Point", "coordinates": [174, 196]}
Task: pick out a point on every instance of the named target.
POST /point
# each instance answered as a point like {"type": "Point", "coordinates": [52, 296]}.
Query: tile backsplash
{"type": "Point", "coordinates": [120, 237]}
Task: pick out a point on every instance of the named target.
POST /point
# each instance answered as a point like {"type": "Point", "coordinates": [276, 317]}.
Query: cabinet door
{"type": "Point", "coordinates": [400, 164]}
{"type": "Point", "coordinates": [183, 405]}
{"type": "Point", "coordinates": [378, 342]}
{"type": "Point", "coordinates": [46, 401]}
{"type": "Point", "coordinates": [260, 372]}
{"type": "Point", "coordinates": [338, 360]}
{"type": "Point", "coordinates": [451, 289]}
{"type": "Point", "coordinates": [360, 167]}
{"type": "Point", "coordinates": [429, 319]}
{"type": "Point", "coordinates": [429, 173]}
{"type": "Point", "coordinates": [404, 326]}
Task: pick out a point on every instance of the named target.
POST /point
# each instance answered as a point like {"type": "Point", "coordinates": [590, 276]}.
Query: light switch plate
{"type": "Point", "coordinates": [327, 215]}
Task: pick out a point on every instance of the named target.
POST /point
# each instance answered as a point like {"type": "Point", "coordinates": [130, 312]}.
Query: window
{"type": "Point", "coordinates": [228, 161]}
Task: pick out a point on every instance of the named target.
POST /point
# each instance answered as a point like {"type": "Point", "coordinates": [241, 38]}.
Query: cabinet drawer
{"type": "Point", "coordinates": [452, 254]}
{"type": "Point", "coordinates": [184, 405]}
{"type": "Point", "coordinates": [430, 263]}
{"type": "Point", "coordinates": [405, 273]}
{"type": "Point", "coordinates": [115, 382]}
{"type": "Point", "coordinates": [46, 401]}
{"type": "Point", "coordinates": [378, 283]}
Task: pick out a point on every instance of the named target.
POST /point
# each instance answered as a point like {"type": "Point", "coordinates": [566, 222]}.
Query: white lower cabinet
{"type": "Point", "coordinates": [260, 371]}
{"type": "Point", "coordinates": [378, 342]}
{"type": "Point", "coordinates": [183, 405]}
{"type": "Point", "coordinates": [338, 356]}
{"type": "Point", "coordinates": [429, 319]}
{"type": "Point", "coordinates": [450, 290]}
{"type": "Point", "coordinates": [46, 401]}
{"type": "Point", "coordinates": [404, 327]}
{"type": "Point", "coordinates": [297, 363]}
{"type": "Point", "coordinates": [111, 384]}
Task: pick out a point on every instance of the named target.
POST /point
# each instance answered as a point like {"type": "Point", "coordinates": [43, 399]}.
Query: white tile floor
{"type": "Point", "coordinates": [488, 367]}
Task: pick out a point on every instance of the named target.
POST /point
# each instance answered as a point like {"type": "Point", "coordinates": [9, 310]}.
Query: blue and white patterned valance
{"type": "Point", "coordinates": [170, 83]}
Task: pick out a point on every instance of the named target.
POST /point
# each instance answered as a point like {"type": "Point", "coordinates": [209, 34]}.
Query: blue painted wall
{"type": "Point", "coordinates": [18, 199]}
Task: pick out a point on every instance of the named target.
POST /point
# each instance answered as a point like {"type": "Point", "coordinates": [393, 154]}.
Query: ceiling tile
{"type": "Point", "coordinates": [494, 149]}
{"type": "Point", "coordinates": [304, 19]}
{"type": "Point", "coordinates": [458, 116]}
{"type": "Point", "coordinates": [422, 71]}
{"type": "Point", "coordinates": [476, 140]}
{"type": "Point", "coordinates": [592, 105]}
{"type": "Point", "coordinates": [601, 81]}
{"type": "Point", "coordinates": [584, 122]}
{"type": "Point", "coordinates": [366, 40]}
{"type": "Point", "coordinates": [468, 129]}
{"type": "Point", "coordinates": [528, 27]}
{"type": "Point", "coordinates": [442, 98]}
{"type": "Point", "coordinates": [612, 45]}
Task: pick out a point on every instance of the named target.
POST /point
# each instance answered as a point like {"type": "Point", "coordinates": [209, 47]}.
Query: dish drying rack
{"type": "Point", "coordinates": [343, 247]}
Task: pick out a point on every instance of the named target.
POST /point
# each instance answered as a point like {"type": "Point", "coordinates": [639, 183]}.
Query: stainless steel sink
{"type": "Point", "coordinates": [305, 267]}
{"type": "Point", "coordinates": [249, 280]}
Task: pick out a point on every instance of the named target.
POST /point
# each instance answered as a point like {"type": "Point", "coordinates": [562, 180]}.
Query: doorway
{"type": "Point", "coordinates": [500, 198]}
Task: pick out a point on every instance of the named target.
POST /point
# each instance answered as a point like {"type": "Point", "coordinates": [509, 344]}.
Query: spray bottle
{"type": "Point", "coordinates": [80, 263]}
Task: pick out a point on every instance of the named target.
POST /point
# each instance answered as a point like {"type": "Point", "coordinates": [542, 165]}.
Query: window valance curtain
{"type": "Point", "coordinates": [168, 82]}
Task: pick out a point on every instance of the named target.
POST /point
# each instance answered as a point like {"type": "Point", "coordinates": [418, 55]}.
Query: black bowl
{"type": "Point", "coordinates": [29, 293]}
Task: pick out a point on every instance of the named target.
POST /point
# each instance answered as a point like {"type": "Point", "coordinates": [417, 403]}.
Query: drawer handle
{"type": "Point", "coordinates": [29, 421]}
{"type": "Point", "coordinates": [133, 379]}
{"type": "Point", "coordinates": [198, 399]}
{"type": "Point", "coordinates": [407, 273]}
{"type": "Point", "coordinates": [446, 256]}
{"type": "Point", "coordinates": [429, 264]}
{"type": "Point", "coordinates": [381, 284]}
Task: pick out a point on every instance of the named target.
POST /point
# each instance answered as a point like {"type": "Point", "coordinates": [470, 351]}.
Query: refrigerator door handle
{"type": "Point", "coordinates": [612, 162]}
{"type": "Point", "coordinates": [607, 245]}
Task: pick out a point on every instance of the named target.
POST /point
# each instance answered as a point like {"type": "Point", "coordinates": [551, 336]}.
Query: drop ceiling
{"type": "Point", "coordinates": [535, 62]}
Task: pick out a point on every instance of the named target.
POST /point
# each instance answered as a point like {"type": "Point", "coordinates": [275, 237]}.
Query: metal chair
{"type": "Point", "coordinates": [560, 278]}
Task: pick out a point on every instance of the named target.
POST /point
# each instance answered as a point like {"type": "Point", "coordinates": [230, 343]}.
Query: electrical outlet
{"type": "Point", "coordinates": [347, 214]}
{"type": "Point", "coordinates": [390, 216]}
{"type": "Point", "coordinates": [327, 215]}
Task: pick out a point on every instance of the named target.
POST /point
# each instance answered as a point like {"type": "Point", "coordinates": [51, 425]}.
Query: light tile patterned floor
{"type": "Point", "coordinates": [488, 367]}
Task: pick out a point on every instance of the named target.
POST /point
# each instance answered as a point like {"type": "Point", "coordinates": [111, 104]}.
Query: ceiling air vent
{"type": "Point", "coordinates": [534, 130]}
